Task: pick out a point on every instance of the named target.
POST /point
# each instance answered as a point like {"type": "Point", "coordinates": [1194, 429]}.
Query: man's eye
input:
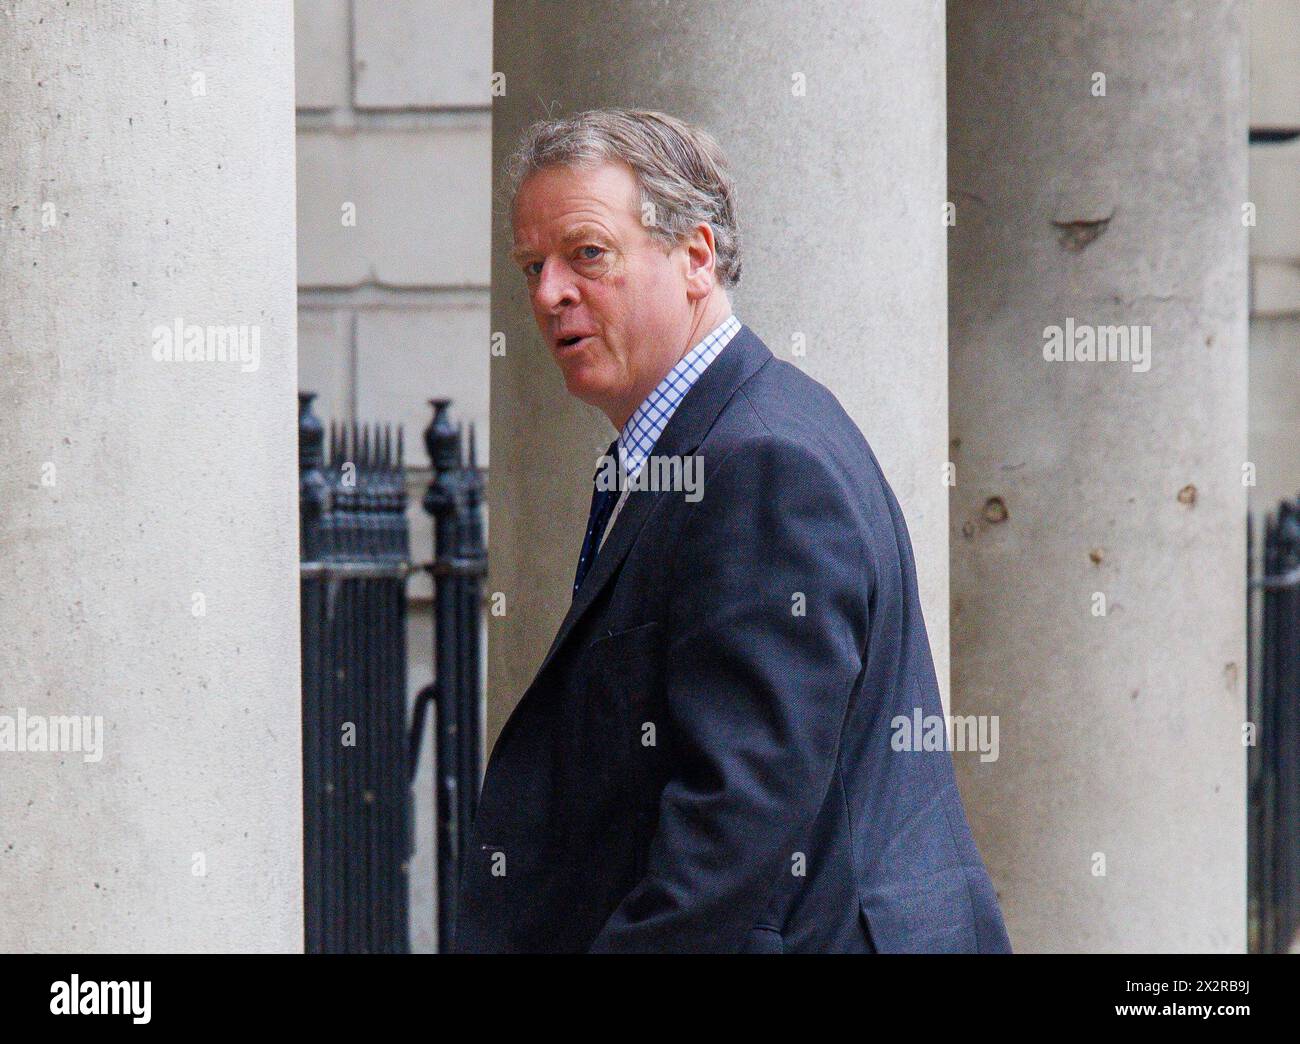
{"type": "Point", "coordinates": [533, 269]}
{"type": "Point", "coordinates": [590, 253]}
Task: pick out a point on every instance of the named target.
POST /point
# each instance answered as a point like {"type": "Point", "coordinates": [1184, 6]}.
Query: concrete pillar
{"type": "Point", "coordinates": [148, 536]}
{"type": "Point", "coordinates": [833, 118]}
{"type": "Point", "coordinates": [1115, 818]}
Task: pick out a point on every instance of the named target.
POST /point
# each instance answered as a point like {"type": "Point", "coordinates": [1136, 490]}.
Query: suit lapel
{"type": "Point", "coordinates": [686, 429]}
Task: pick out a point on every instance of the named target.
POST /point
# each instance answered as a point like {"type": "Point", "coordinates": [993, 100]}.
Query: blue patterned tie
{"type": "Point", "coordinates": [602, 506]}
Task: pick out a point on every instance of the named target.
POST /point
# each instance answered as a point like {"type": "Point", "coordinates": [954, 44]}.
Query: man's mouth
{"type": "Point", "coordinates": [570, 342]}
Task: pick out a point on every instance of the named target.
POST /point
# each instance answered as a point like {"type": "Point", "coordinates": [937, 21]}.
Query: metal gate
{"type": "Point", "coordinates": [359, 753]}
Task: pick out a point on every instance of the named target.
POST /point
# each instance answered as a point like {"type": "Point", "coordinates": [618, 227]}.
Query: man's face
{"type": "Point", "coordinates": [611, 302]}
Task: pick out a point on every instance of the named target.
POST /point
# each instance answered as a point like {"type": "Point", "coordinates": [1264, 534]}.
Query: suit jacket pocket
{"type": "Point", "coordinates": [621, 639]}
{"type": "Point", "coordinates": [621, 665]}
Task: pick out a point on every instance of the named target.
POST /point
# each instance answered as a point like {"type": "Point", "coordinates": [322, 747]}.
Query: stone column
{"type": "Point", "coordinates": [832, 115]}
{"type": "Point", "coordinates": [148, 505]}
{"type": "Point", "coordinates": [1098, 167]}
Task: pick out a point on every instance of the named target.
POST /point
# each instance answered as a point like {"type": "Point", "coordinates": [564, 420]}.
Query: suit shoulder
{"type": "Point", "coordinates": [789, 406]}
{"type": "Point", "coordinates": [792, 402]}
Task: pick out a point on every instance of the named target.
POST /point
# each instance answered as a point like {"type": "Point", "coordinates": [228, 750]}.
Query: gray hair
{"type": "Point", "coordinates": [680, 169]}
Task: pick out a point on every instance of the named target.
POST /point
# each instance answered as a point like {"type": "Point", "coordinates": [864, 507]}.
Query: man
{"type": "Point", "coordinates": [704, 761]}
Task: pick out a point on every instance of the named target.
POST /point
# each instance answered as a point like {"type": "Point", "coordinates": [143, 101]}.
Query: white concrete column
{"type": "Point", "coordinates": [1098, 165]}
{"type": "Point", "coordinates": [148, 533]}
{"type": "Point", "coordinates": [832, 116]}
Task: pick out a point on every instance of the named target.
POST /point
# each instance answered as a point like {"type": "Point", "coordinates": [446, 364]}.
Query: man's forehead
{"type": "Point", "coordinates": [567, 191]}
{"type": "Point", "coordinates": [573, 203]}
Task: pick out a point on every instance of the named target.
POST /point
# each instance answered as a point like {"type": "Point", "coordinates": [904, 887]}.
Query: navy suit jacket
{"type": "Point", "coordinates": [704, 761]}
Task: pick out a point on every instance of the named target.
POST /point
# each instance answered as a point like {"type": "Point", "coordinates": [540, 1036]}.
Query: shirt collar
{"type": "Point", "coordinates": [637, 439]}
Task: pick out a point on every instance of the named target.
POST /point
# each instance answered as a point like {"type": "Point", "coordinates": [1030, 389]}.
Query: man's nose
{"type": "Point", "coordinates": [555, 287]}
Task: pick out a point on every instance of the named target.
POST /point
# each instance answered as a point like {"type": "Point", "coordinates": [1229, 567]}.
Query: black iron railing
{"type": "Point", "coordinates": [454, 499]}
{"type": "Point", "coordinates": [356, 782]}
{"type": "Point", "coordinates": [1274, 759]}
{"type": "Point", "coordinates": [358, 754]}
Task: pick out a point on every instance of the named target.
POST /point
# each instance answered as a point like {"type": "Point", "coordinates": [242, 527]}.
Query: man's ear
{"type": "Point", "coordinates": [701, 257]}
